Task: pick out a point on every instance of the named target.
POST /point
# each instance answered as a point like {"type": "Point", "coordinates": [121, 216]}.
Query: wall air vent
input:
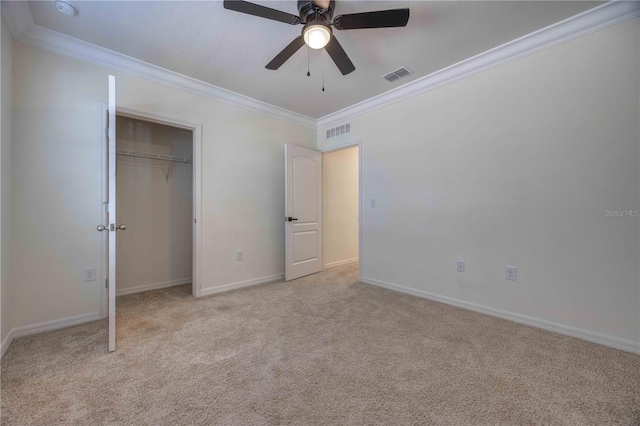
{"type": "Point", "coordinates": [334, 132]}
{"type": "Point", "coordinates": [397, 74]}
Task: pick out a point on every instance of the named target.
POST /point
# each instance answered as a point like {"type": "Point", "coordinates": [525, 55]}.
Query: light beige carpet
{"type": "Point", "coordinates": [322, 350]}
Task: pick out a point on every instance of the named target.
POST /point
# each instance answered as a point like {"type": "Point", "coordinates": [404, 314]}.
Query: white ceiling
{"type": "Point", "coordinates": [201, 39]}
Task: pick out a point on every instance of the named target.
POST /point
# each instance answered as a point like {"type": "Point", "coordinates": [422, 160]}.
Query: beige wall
{"type": "Point", "coordinates": [57, 200]}
{"type": "Point", "coordinates": [340, 206]}
{"type": "Point", "coordinates": [515, 166]}
{"type": "Point", "coordinates": [5, 181]}
{"type": "Point", "coordinates": [156, 249]}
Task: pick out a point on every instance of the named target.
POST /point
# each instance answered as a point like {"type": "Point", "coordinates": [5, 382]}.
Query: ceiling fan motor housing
{"type": "Point", "coordinates": [316, 10]}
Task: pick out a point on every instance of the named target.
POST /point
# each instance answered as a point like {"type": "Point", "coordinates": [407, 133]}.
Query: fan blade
{"type": "Point", "coordinates": [379, 19]}
{"type": "Point", "coordinates": [339, 56]}
{"type": "Point", "coordinates": [261, 11]}
{"type": "Point", "coordinates": [286, 53]}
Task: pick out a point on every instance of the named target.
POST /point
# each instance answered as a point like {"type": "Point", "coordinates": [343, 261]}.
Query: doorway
{"type": "Point", "coordinates": [341, 206]}
{"type": "Point", "coordinates": [154, 179]}
{"type": "Point", "coordinates": [196, 143]}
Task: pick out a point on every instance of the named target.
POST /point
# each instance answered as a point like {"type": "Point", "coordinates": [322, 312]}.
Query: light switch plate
{"type": "Point", "coordinates": [460, 266]}
{"type": "Point", "coordinates": [510, 273]}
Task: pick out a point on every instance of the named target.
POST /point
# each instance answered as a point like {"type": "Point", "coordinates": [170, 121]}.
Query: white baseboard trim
{"type": "Point", "coordinates": [27, 330]}
{"type": "Point", "coordinates": [153, 286]}
{"type": "Point", "coordinates": [240, 284]}
{"type": "Point", "coordinates": [590, 336]}
{"type": "Point", "coordinates": [6, 342]}
{"type": "Point", "coordinates": [340, 262]}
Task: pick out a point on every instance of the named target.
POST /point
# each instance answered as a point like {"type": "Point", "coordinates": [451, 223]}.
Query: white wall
{"type": "Point", "coordinates": [156, 249]}
{"type": "Point", "coordinates": [5, 180]}
{"type": "Point", "coordinates": [515, 166]}
{"type": "Point", "coordinates": [57, 181]}
{"type": "Point", "coordinates": [340, 206]}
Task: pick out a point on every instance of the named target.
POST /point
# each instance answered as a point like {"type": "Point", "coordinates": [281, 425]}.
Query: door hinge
{"type": "Point", "coordinates": [106, 132]}
{"type": "Point", "coordinates": [106, 283]}
{"type": "Point", "coordinates": [195, 220]}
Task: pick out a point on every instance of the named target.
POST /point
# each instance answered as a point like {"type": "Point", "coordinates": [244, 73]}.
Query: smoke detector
{"type": "Point", "coordinates": [66, 8]}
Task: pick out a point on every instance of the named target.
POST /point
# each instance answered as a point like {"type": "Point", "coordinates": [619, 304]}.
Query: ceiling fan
{"type": "Point", "coordinates": [317, 15]}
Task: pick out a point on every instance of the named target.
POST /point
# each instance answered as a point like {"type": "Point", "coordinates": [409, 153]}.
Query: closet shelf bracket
{"type": "Point", "coordinates": [166, 174]}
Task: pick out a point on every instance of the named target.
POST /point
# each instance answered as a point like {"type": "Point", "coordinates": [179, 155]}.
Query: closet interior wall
{"type": "Point", "coordinates": [155, 201]}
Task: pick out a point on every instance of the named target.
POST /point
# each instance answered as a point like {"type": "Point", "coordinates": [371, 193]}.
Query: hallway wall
{"type": "Point", "coordinates": [340, 206]}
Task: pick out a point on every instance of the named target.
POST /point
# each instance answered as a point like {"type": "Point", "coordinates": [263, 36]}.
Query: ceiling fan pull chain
{"type": "Point", "coordinates": [323, 70]}
{"type": "Point", "coordinates": [308, 72]}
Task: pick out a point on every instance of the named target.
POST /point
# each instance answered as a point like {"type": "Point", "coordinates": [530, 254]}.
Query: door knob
{"type": "Point", "coordinates": [102, 228]}
{"type": "Point", "coordinates": [121, 227]}
{"type": "Point", "coordinates": [291, 219]}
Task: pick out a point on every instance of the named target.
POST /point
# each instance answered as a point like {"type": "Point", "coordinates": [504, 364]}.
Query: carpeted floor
{"type": "Point", "coordinates": [321, 350]}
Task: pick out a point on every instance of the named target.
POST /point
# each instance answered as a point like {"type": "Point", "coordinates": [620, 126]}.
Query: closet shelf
{"type": "Point", "coordinates": [152, 156]}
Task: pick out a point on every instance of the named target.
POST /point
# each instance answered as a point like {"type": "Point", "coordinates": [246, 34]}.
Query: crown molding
{"type": "Point", "coordinates": [590, 21]}
{"type": "Point", "coordinates": [17, 16]}
{"type": "Point", "coordinates": [66, 45]}
{"type": "Point", "coordinates": [24, 30]}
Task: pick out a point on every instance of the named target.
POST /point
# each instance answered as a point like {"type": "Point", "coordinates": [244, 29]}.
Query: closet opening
{"type": "Point", "coordinates": [155, 199]}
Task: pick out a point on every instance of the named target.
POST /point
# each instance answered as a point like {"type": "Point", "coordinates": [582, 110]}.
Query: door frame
{"type": "Point", "coordinates": [196, 131]}
{"type": "Point", "coordinates": [347, 145]}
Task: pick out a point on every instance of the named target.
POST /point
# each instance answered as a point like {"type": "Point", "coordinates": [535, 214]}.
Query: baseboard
{"type": "Point", "coordinates": [153, 286]}
{"type": "Point", "coordinates": [27, 330]}
{"type": "Point", "coordinates": [590, 336]}
{"type": "Point", "coordinates": [340, 262]}
{"type": "Point", "coordinates": [7, 342]}
{"type": "Point", "coordinates": [240, 284]}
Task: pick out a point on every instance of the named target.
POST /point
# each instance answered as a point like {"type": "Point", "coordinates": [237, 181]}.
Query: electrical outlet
{"type": "Point", "coordinates": [239, 255]}
{"type": "Point", "coordinates": [89, 274]}
{"type": "Point", "coordinates": [510, 273]}
{"type": "Point", "coordinates": [373, 203]}
{"type": "Point", "coordinates": [460, 266]}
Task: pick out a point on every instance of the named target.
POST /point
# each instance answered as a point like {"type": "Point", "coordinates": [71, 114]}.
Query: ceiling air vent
{"type": "Point", "coordinates": [397, 74]}
{"type": "Point", "coordinates": [334, 132]}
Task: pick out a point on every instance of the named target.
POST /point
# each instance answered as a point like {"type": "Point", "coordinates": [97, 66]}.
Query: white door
{"type": "Point", "coordinates": [111, 226]}
{"type": "Point", "coordinates": [303, 210]}
{"type": "Point", "coordinates": [112, 213]}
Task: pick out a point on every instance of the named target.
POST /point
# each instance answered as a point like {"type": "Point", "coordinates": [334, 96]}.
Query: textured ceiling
{"type": "Point", "coordinates": [202, 40]}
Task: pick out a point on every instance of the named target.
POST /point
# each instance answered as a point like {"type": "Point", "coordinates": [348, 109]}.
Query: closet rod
{"type": "Point", "coordinates": [152, 156]}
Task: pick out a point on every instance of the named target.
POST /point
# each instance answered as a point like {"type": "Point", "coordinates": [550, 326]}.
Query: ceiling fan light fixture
{"type": "Point", "coordinates": [316, 35]}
